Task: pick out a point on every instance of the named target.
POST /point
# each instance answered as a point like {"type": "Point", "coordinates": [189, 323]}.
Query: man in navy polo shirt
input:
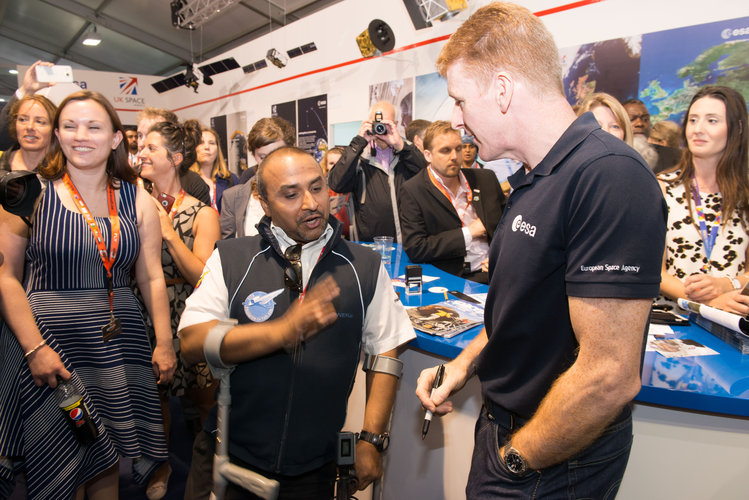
{"type": "Point", "coordinates": [574, 266]}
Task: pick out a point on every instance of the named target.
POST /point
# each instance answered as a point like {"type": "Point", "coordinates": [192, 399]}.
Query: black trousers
{"type": "Point", "coordinates": [314, 485]}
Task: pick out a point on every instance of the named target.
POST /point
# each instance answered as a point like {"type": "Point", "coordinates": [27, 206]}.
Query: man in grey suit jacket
{"type": "Point", "coordinates": [240, 211]}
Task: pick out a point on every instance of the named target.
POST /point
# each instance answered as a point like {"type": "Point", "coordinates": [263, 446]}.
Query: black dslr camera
{"type": "Point", "coordinates": [379, 128]}
{"type": "Point", "coordinates": [18, 191]}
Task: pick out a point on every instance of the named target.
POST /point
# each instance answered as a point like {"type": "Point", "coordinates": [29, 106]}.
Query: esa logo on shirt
{"type": "Point", "coordinates": [518, 224]}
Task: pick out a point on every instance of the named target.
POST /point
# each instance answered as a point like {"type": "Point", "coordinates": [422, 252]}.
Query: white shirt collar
{"type": "Point", "coordinates": [311, 251]}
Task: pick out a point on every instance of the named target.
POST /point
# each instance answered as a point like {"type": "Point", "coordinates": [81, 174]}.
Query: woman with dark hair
{"type": "Point", "coordinates": [189, 229]}
{"type": "Point", "coordinates": [30, 126]}
{"type": "Point", "coordinates": [707, 193]}
{"type": "Point", "coordinates": [212, 168]}
{"type": "Point", "coordinates": [79, 319]}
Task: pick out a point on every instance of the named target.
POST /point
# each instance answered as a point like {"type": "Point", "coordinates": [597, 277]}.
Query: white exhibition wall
{"type": "Point", "coordinates": [337, 69]}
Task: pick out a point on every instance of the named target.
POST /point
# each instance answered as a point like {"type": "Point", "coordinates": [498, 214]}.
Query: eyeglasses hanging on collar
{"type": "Point", "coordinates": [293, 273]}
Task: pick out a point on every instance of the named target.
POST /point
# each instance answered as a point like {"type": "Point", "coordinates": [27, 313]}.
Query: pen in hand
{"type": "Point", "coordinates": [428, 417]}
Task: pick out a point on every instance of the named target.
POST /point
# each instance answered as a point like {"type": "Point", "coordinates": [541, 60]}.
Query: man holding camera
{"type": "Point", "coordinates": [375, 173]}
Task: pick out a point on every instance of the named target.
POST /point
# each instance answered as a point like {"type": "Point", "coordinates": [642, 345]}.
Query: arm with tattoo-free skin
{"type": "Point", "coordinates": [585, 398]}
{"type": "Point", "coordinates": [593, 391]}
{"type": "Point", "coordinates": [381, 389]}
{"type": "Point", "coordinates": [44, 363]}
{"type": "Point", "coordinates": [251, 340]}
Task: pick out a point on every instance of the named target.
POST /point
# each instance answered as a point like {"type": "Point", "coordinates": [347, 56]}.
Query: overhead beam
{"type": "Point", "coordinates": [130, 31]}
{"type": "Point", "coordinates": [263, 30]}
{"type": "Point", "coordinates": [259, 12]}
{"type": "Point", "coordinates": [241, 40]}
{"type": "Point", "coordinates": [35, 43]}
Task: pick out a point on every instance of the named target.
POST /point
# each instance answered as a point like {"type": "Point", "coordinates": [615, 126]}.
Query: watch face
{"type": "Point", "coordinates": [515, 462]}
{"type": "Point", "coordinates": [385, 442]}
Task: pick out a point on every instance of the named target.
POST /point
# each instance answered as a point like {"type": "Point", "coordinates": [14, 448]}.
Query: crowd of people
{"type": "Point", "coordinates": [144, 249]}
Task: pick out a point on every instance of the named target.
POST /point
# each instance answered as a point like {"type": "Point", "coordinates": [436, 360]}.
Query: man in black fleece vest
{"type": "Point", "coordinates": [307, 302]}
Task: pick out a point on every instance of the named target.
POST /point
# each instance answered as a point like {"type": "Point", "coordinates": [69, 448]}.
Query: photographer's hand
{"type": "Point", "coordinates": [365, 131]}
{"type": "Point", "coordinates": [392, 138]}
{"type": "Point", "coordinates": [30, 83]}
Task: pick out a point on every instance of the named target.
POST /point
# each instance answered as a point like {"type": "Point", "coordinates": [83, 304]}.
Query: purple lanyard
{"type": "Point", "coordinates": [708, 236]}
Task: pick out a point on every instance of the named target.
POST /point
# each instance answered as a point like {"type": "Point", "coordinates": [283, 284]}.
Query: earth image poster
{"type": "Point", "coordinates": [675, 63]}
{"type": "Point", "coordinates": [610, 66]}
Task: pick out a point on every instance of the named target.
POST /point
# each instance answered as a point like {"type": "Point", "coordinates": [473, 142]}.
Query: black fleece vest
{"type": "Point", "coordinates": [285, 412]}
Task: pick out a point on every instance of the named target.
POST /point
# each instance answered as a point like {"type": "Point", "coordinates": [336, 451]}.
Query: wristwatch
{"type": "Point", "coordinates": [514, 461]}
{"type": "Point", "coordinates": [380, 441]}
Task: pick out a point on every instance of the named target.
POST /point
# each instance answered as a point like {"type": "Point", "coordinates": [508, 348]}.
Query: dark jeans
{"type": "Point", "coordinates": [594, 473]}
{"type": "Point", "coordinates": [314, 485]}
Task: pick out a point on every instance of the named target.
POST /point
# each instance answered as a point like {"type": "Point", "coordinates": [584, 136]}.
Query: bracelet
{"type": "Point", "coordinates": [734, 282]}
{"type": "Point", "coordinates": [36, 348]}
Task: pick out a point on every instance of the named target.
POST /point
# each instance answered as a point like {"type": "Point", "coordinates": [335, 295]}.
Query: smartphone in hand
{"type": "Point", "coordinates": [59, 73]}
{"type": "Point", "coordinates": [166, 201]}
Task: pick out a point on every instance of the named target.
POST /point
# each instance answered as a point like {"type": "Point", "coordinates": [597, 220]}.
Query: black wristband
{"type": "Point", "coordinates": [380, 441]}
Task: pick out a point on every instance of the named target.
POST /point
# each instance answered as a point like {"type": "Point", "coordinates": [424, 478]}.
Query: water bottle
{"type": "Point", "coordinates": [76, 414]}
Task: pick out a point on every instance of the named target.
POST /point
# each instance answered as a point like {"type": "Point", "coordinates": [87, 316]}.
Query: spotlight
{"type": "Point", "coordinates": [376, 39]}
{"type": "Point", "coordinates": [93, 39]}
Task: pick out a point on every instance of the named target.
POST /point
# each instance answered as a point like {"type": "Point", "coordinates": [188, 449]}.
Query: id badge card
{"type": "Point", "coordinates": [111, 329]}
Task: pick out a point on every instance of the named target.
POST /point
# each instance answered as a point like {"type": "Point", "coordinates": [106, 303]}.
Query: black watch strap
{"type": "Point", "coordinates": [380, 441]}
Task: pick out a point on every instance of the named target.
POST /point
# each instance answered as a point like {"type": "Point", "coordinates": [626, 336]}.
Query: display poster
{"type": "Point", "coordinates": [285, 110]}
{"type": "Point", "coordinates": [312, 131]}
{"type": "Point", "coordinates": [399, 93]}
{"type": "Point", "coordinates": [675, 63]}
{"type": "Point", "coordinates": [233, 143]}
{"type": "Point", "coordinates": [610, 66]}
{"type": "Point", "coordinates": [431, 101]}
{"type": "Point", "coordinates": [129, 93]}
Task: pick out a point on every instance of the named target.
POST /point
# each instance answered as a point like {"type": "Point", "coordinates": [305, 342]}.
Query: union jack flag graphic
{"type": "Point", "coordinates": [128, 85]}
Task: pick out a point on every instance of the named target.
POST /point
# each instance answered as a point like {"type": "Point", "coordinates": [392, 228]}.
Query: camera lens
{"type": "Point", "coordinates": [18, 191]}
{"type": "Point", "coordinates": [379, 128]}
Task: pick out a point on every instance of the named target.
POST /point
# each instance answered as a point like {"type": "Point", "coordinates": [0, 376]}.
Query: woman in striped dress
{"type": "Point", "coordinates": [79, 318]}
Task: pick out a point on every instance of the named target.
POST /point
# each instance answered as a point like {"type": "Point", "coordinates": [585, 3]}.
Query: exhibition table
{"type": "Point", "coordinates": [714, 383]}
{"type": "Point", "coordinates": [688, 407]}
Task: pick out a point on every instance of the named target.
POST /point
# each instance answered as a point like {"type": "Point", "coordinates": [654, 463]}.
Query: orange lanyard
{"type": "Point", "coordinates": [438, 184]}
{"type": "Point", "coordinates": [177, 203]}
{"type": "Point", "coordinates": [106, 258]}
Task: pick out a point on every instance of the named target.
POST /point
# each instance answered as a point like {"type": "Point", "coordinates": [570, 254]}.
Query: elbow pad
{"type": "Point", "coordinates": [383, 364]}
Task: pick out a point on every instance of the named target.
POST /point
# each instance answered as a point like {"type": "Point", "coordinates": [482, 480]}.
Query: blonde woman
{"type": "Point", "coordinates": [212, 168]}
{"type": "Point", "coordinates": [610, 114]}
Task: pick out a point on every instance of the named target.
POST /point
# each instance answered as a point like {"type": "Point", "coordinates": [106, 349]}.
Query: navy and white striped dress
{"type": "Point", "coordinates": [65, 285]}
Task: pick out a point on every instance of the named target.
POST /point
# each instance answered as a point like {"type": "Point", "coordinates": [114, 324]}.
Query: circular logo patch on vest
{"type": "Point", "coordinates": [259, 306]}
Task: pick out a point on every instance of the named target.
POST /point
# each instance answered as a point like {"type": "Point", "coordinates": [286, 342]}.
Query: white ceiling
{"type": "Point", "coordinates": [137, 35]}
